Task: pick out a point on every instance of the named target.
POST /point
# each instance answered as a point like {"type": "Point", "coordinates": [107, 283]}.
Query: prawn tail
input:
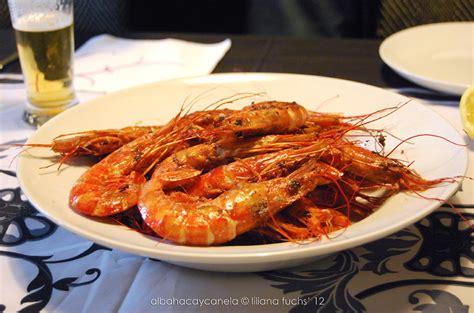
{"type": "Point", "coordinates": [95, 197]}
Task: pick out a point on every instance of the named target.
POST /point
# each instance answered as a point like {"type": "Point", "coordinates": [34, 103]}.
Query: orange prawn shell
{"type": "Point", "coordinates": [277, 117]}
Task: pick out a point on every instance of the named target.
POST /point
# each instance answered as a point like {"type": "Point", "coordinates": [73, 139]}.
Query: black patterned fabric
{"type": "Point", "coordinates": [90, 17]}
{"type": "Point", "coordinates": [106, 16]}
{"type": "Point", "coordinates": [358, 18]}
{"type": "Point", "coordinates": [305, 18]}
{"type": "Point", "coordinates": [396, 15]}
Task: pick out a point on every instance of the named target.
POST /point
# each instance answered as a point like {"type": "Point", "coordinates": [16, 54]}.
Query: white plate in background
{"type": "Point", "coordinates": [437, 56]}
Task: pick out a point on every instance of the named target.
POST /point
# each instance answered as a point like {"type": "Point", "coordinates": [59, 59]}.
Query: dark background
{"type": "Point", "coordinates": [298, 18]}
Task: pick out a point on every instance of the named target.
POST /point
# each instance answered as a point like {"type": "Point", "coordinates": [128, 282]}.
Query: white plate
{"type": "Point", "coordinates": [48, 189]}
{"type": "Point", "coordinates": [437, 56]}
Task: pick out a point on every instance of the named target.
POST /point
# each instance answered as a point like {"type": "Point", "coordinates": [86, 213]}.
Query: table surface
{"type": "Point", "coordinates": [426, 267]}
{"type": "Point", "coordinates": [352, 59]}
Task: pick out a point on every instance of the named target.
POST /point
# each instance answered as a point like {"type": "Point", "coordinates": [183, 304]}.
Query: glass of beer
{"type": "Point", "coordinates": [45, 42]}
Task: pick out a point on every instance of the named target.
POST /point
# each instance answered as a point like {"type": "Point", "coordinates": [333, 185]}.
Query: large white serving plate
{"type": "Point", "coordinates": [48, 188]}
{"type": "Point", "coordinates": [437, 56]}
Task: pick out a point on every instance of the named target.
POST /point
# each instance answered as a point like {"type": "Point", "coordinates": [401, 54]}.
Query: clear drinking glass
{"type": "Point", "coordinates": [45, 42]}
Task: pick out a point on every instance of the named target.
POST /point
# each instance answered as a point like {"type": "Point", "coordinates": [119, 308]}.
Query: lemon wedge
{"type": "Point", "coordinates": [466, 107]}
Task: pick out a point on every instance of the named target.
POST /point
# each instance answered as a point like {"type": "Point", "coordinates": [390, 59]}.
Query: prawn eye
{"type": "Point", "coordinates": [238, 122]}
{"type": "Point", "coordinates": [293, 187]}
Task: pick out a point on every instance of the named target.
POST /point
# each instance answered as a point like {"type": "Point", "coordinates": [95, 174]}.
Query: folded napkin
{"type": "Point", "coordinates": [106, 63]}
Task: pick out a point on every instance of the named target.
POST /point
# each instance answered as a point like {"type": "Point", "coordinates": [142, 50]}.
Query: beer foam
{"type": "Point", "coordinates": [42, 21]}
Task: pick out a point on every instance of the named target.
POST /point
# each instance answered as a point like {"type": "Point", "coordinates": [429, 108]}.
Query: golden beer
{"type": "Point", "coordinates": [46, 46]}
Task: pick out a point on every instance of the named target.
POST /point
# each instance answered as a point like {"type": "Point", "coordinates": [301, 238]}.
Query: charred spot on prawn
{"type": "Point", "coordinates": [175, 159]}
{"type": "Point", "coordinates": [293, 187]}
{"type": "Point", "coordinates": [138, 156]}
{"type": "Point", "coordinates": [260, 208]}
{"type": "Point", "coordinates": [219, 153]}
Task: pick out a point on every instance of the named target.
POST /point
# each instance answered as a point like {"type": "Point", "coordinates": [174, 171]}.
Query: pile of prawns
{"type": "Point", "coordinates": [272, 168]}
